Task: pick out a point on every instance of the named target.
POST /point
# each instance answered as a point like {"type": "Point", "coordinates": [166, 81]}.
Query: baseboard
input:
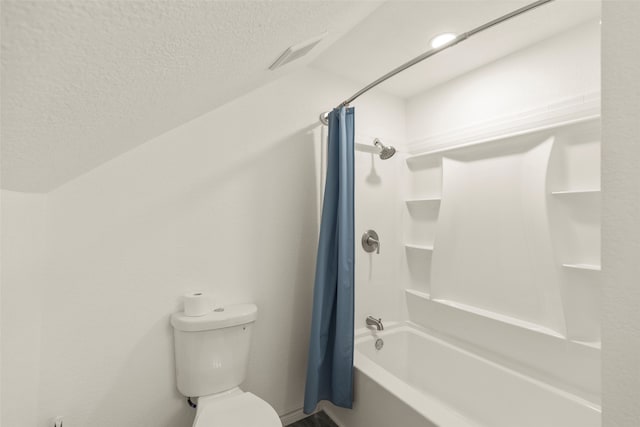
{"type": "Point", "coordinates": [298, 414]}
{"type": "Point", "coordinates": [292, 417]}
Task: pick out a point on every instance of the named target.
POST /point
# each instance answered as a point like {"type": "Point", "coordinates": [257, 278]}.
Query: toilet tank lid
{"type": "Point", "coordinates": [231, 315]}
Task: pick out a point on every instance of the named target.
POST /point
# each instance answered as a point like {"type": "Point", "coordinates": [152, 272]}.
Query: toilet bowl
{"type": "Point", "coordinates": [212, 353]}
{"type": "Point", "coordinates": [235, 409]}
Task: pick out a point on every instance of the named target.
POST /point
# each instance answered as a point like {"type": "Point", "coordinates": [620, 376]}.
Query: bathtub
{"type": "Point", "coordinates": [419, 380]}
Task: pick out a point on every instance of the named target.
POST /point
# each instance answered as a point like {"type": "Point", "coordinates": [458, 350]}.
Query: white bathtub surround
{"type": "Point", "coordinates": [511, 245]}
{"type": "Point", "coordinates": [418, 379]}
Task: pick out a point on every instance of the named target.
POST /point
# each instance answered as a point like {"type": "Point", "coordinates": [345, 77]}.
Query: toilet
{"type": "Point", "coordinates": [212, 352]}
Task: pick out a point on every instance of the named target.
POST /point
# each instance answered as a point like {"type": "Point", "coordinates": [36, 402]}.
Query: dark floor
{"type": "Point", "coordinates": [319, 419]}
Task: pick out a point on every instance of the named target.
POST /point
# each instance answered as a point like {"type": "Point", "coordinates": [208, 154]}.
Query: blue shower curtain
{"type": "Point", "coordinates": [330, 363]}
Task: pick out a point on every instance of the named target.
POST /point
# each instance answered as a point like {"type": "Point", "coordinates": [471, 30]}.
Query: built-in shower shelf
{"type": "Point", "coordinates": [575, 192]}
{"type": "Point", "coordinates": [418, 294]}
{"type": "Point", "coordinates": [428, 248]}
{"type": "Point", "coordinates": [592, 344]}
{"type": "Point", "coordinates": [590, 267]}
{"type": "Point", "coordinates": [487, 314]}
{"type": "Point", "coordinates": [499, 317]}
{"type": "Point", "coordinates": [425, 200]}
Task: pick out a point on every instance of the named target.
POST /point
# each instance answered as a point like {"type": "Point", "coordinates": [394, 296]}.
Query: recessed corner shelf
{"type": "Point", "coordinates": [591, 267]}
{"type": "Point", "coordinates": [419, 247]}
{"type": "Point", "coordinates": [569, 192]}
{"type": "Point", "coordinates": [435, 199]}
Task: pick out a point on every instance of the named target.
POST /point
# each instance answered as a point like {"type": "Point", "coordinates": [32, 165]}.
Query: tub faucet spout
{"type": "Point", "coordinates": [372, 321]}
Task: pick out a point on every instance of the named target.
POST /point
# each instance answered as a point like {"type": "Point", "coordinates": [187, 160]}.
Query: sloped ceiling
{"type": "Point", "coordinates": [84, 81]}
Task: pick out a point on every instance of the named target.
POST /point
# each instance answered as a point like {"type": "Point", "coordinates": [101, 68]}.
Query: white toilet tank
{"type": "Point", "coordinates": [212, 351]}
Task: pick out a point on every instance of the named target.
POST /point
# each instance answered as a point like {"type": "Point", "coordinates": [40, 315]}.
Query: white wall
{"type": "Point", "coordinates": [23, 251]}
{"type": "Point", "coordinates": [227, 204]}
{"type": "Point", "coordinates": [621, 210]}
{"type": "Point", "coordinates": [565, 66]}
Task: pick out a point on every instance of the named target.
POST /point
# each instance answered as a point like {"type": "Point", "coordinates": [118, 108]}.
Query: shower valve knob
{"type": "Point", "coordinates": [371, 242]}
{"type": "Point", "coordinates": [375, 243]}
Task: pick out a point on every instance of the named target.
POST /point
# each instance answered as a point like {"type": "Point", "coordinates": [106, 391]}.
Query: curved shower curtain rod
{"type": "Point", "coordinates": [460, 38]}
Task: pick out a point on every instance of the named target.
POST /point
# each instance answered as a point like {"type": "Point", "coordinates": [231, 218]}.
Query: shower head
{"type": "Point", "coordinates": [385, 152]}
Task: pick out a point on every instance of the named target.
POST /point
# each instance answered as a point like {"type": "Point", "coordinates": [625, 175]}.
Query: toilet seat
{"type": "Point", "coordinates": [236, 409]}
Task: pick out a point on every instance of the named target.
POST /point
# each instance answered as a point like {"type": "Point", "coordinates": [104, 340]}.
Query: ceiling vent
{"type": "Point", "coordinates": [297, 51]}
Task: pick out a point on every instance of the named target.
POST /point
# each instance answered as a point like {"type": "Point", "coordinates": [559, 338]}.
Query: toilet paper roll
{"type": "Point", "coordinates": [197, 304]}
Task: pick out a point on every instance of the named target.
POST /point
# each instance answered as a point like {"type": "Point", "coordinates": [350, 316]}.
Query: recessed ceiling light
{"type": "Point", "coordinates": [442, 39]}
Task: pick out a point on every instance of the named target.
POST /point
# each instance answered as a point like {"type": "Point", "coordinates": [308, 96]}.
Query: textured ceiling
{"type": "Point", "coordinates": [84, 81]}
{"type": "Point", "coordinates": [401, 30]}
